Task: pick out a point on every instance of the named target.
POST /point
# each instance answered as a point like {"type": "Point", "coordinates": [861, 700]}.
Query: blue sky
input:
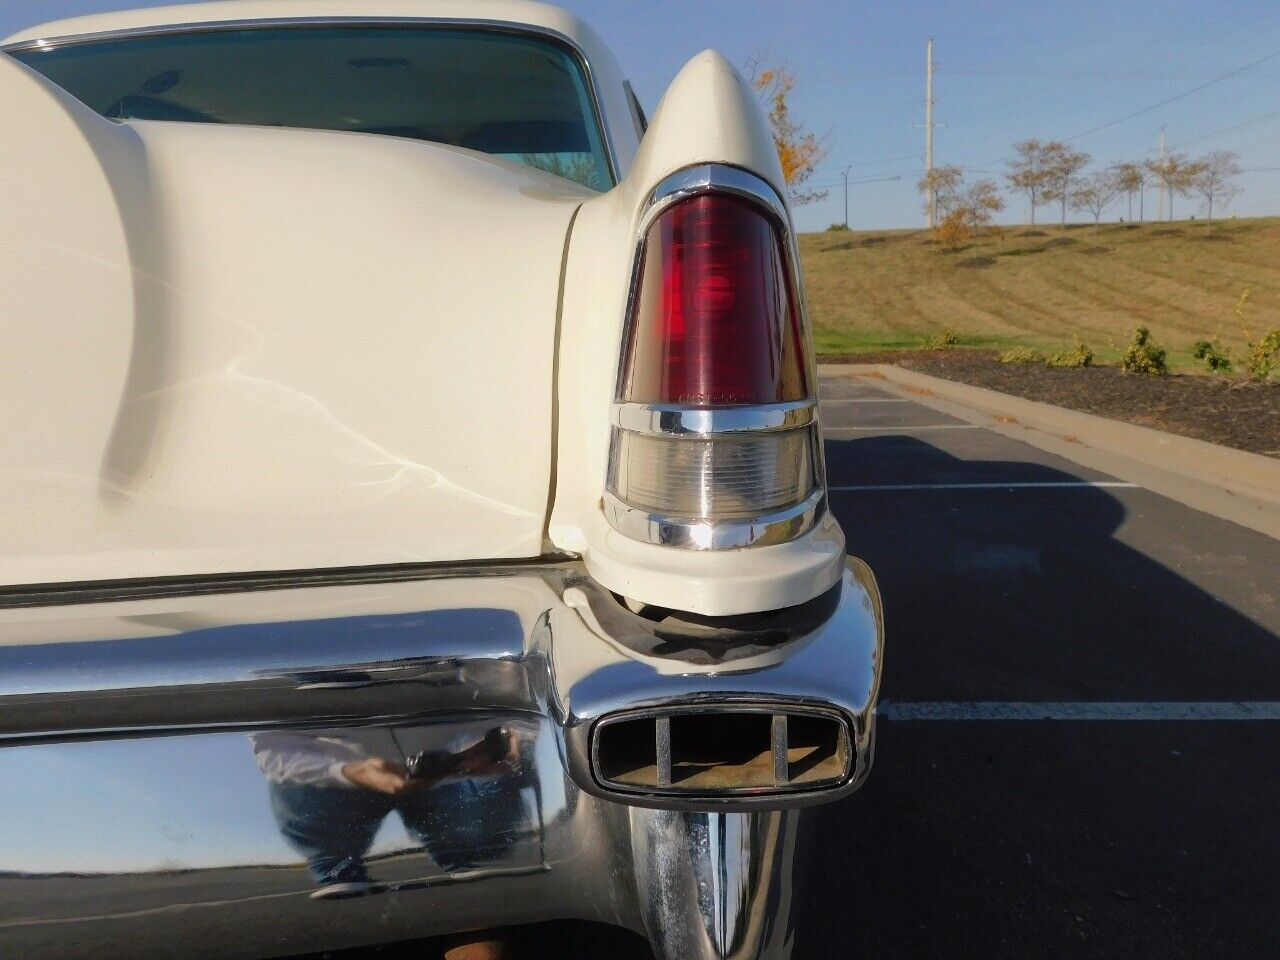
{"type": "Point", "coordinates": [1006, 70]}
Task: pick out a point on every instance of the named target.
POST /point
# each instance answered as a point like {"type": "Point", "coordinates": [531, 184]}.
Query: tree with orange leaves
{"type": "Point", "coordinates": [799, 150]}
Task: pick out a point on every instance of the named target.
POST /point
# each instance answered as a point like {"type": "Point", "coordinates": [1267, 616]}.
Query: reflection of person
{"type": "Point", "coordinates": [331, 790]}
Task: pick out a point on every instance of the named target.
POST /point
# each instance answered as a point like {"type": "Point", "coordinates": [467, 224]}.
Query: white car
{"type": "Point", "coordinates": [413, 507]}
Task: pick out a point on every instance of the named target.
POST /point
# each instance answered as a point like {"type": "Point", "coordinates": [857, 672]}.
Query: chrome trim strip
{"type": "Point", "coordinates": [147, 588]}
{"type": "Point", "coordinates": [222, 26]}
{"type": "Point", "coordinates": [262, 675]}
{"type": "Point", "coordinates": [671, 420]}
{"type": "Point", "coordinates": [702, 534]}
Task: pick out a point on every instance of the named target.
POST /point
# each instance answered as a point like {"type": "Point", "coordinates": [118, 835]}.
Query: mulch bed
{"type": "Point", "coordinates": [1235, 413]}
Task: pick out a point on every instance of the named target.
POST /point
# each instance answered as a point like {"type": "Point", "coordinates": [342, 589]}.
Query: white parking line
{"type": "Point", "coordinates": [1083, 710]}
{"type": "Point", "coordinates": [863, 400]}
{"type": "Point", "coordinates": [1067, 484]}
{"type": "Point", "coordinates": [891, 430]}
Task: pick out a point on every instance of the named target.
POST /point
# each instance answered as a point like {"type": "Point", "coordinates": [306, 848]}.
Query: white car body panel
{"type": "Point", "coordinates": [297, 349]}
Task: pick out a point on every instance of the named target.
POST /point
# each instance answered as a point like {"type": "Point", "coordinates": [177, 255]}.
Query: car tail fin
{"type": "Point", "coordinates": [703, 437]}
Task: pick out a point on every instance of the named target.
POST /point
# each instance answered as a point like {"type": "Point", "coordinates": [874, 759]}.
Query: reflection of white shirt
{"type": "Point", "coordinates": [317, 757]}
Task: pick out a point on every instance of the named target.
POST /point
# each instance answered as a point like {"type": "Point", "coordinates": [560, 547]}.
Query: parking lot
{"type": "Point", "coordinates": [1077, 754]}
{"type": "Point", "coordinates": [982, 833]}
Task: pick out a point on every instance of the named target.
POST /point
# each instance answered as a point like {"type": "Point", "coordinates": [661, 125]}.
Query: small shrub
{"type": "Point", "coordinates": [1021, 355]}
{"type": "Point", "coordinates": [1261, 359]}
{"type": "Point", "coordinates": [942, 340]}
{"type": "Point", "coordinates": [954, 231]}
{"type": "Point", "coordinates": [838, 226]}
{"type": "Point", "coordinates": [1144, 354]}
{"type": "Point", "coordinates": [1211, 353]}
{"type": "Point", "coordinates": [1241, 303]}
{"type": "Point", "coordinates": [1078, 356]}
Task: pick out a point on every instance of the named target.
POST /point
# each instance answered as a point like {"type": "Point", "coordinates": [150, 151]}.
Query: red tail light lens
{"type": "Point", "coordinates": [714, 322]}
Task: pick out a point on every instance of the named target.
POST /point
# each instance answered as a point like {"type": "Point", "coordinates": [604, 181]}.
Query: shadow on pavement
{"type": "Point", "coordinates": [1033, 839]}
{"type": "Point", "coordinates": [565, 940]}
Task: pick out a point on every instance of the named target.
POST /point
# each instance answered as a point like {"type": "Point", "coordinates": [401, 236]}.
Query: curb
{"type": "Point", "coordinates": [1237, 472]}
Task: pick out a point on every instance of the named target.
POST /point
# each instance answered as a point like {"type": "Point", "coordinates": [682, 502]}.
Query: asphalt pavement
{"type": "Point", "coordinates": [1079, 749]}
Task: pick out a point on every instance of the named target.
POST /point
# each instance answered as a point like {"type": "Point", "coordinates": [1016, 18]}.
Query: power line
{"type": "Point", "coordinates": [1020, 100]}
{"type": "Point", "coordinates": [1274, 115]}
{"type": "Point", "coordinates": [1173, 99]}
{"type": "Point", "coordinates": [838, 183]}
{"type": "Point", "coordinates": [1004, 74]}
{"type": "Point", "coordinates": [873, 163]}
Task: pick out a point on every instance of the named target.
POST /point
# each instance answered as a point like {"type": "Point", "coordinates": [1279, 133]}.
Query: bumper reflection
{"type": "Point", "coordinates": [463, 792]}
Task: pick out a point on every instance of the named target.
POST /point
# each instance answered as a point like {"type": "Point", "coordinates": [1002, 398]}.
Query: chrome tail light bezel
{"type": "Point", "coordinates": [677, 421]}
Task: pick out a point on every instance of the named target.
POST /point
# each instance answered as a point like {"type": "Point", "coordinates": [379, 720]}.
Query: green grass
{"type": "Point", "coordinates": [886, 290]}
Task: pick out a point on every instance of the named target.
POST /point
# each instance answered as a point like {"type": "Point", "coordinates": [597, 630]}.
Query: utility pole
{"type": "Point", "coordinates": [931, 199]}
{"type": "Point", "coordinates": [846, 195]}
{"type": "Point", "coordinates": [1163, 156]}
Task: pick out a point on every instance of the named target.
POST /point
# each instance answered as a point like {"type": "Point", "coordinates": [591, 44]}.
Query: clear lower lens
{"type": "Point", "coordinates": [725, 478]}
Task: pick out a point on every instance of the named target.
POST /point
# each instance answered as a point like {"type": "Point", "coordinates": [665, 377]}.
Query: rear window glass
{"type": "Point", "coordinates": [514, 96]}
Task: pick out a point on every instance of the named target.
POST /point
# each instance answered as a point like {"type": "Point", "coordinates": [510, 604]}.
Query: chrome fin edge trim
{"type": "Point", "coordinates": [704, 534]}
{"type": "Point", "coordinates": [673, 420]}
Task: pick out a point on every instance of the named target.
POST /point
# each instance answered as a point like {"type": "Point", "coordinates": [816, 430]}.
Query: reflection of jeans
{"type": "Point", "coordinates": [461, 823]}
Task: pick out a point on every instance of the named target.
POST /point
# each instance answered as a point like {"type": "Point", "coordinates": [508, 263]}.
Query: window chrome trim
{"type": "Point", "coordinates": [703, 534]}
{"type": "Point", "coordinates": [461, 23]}
{"type": "Point", "coordinates": [673, 420]}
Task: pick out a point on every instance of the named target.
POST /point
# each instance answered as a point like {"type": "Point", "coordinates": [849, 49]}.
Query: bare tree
{"type": "Point", "coordinates": [944, 183]}
{"type": "Point", "coordinates": [1130, 179]}
{"type": "Point", "coordinates": [1064, 166]}
{"type": "Point", "coordinates": [1096, 192]}
{"type": "Point", "coordinates": [1176, 175]}
{"type": "Point", "coordinates": [981, 202]}
{"type": "Point", "coordinates": [1029, 172]}
{"type": "Point", "coordinates": [1214, 179]}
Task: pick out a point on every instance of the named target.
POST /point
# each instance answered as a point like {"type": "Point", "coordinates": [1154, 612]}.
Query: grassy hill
{"type": "Point", "coordinates": [1040, 286]}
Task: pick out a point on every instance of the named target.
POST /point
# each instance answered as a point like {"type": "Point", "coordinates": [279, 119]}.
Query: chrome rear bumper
{"type": "Point", "coordinates": [169, 766]}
